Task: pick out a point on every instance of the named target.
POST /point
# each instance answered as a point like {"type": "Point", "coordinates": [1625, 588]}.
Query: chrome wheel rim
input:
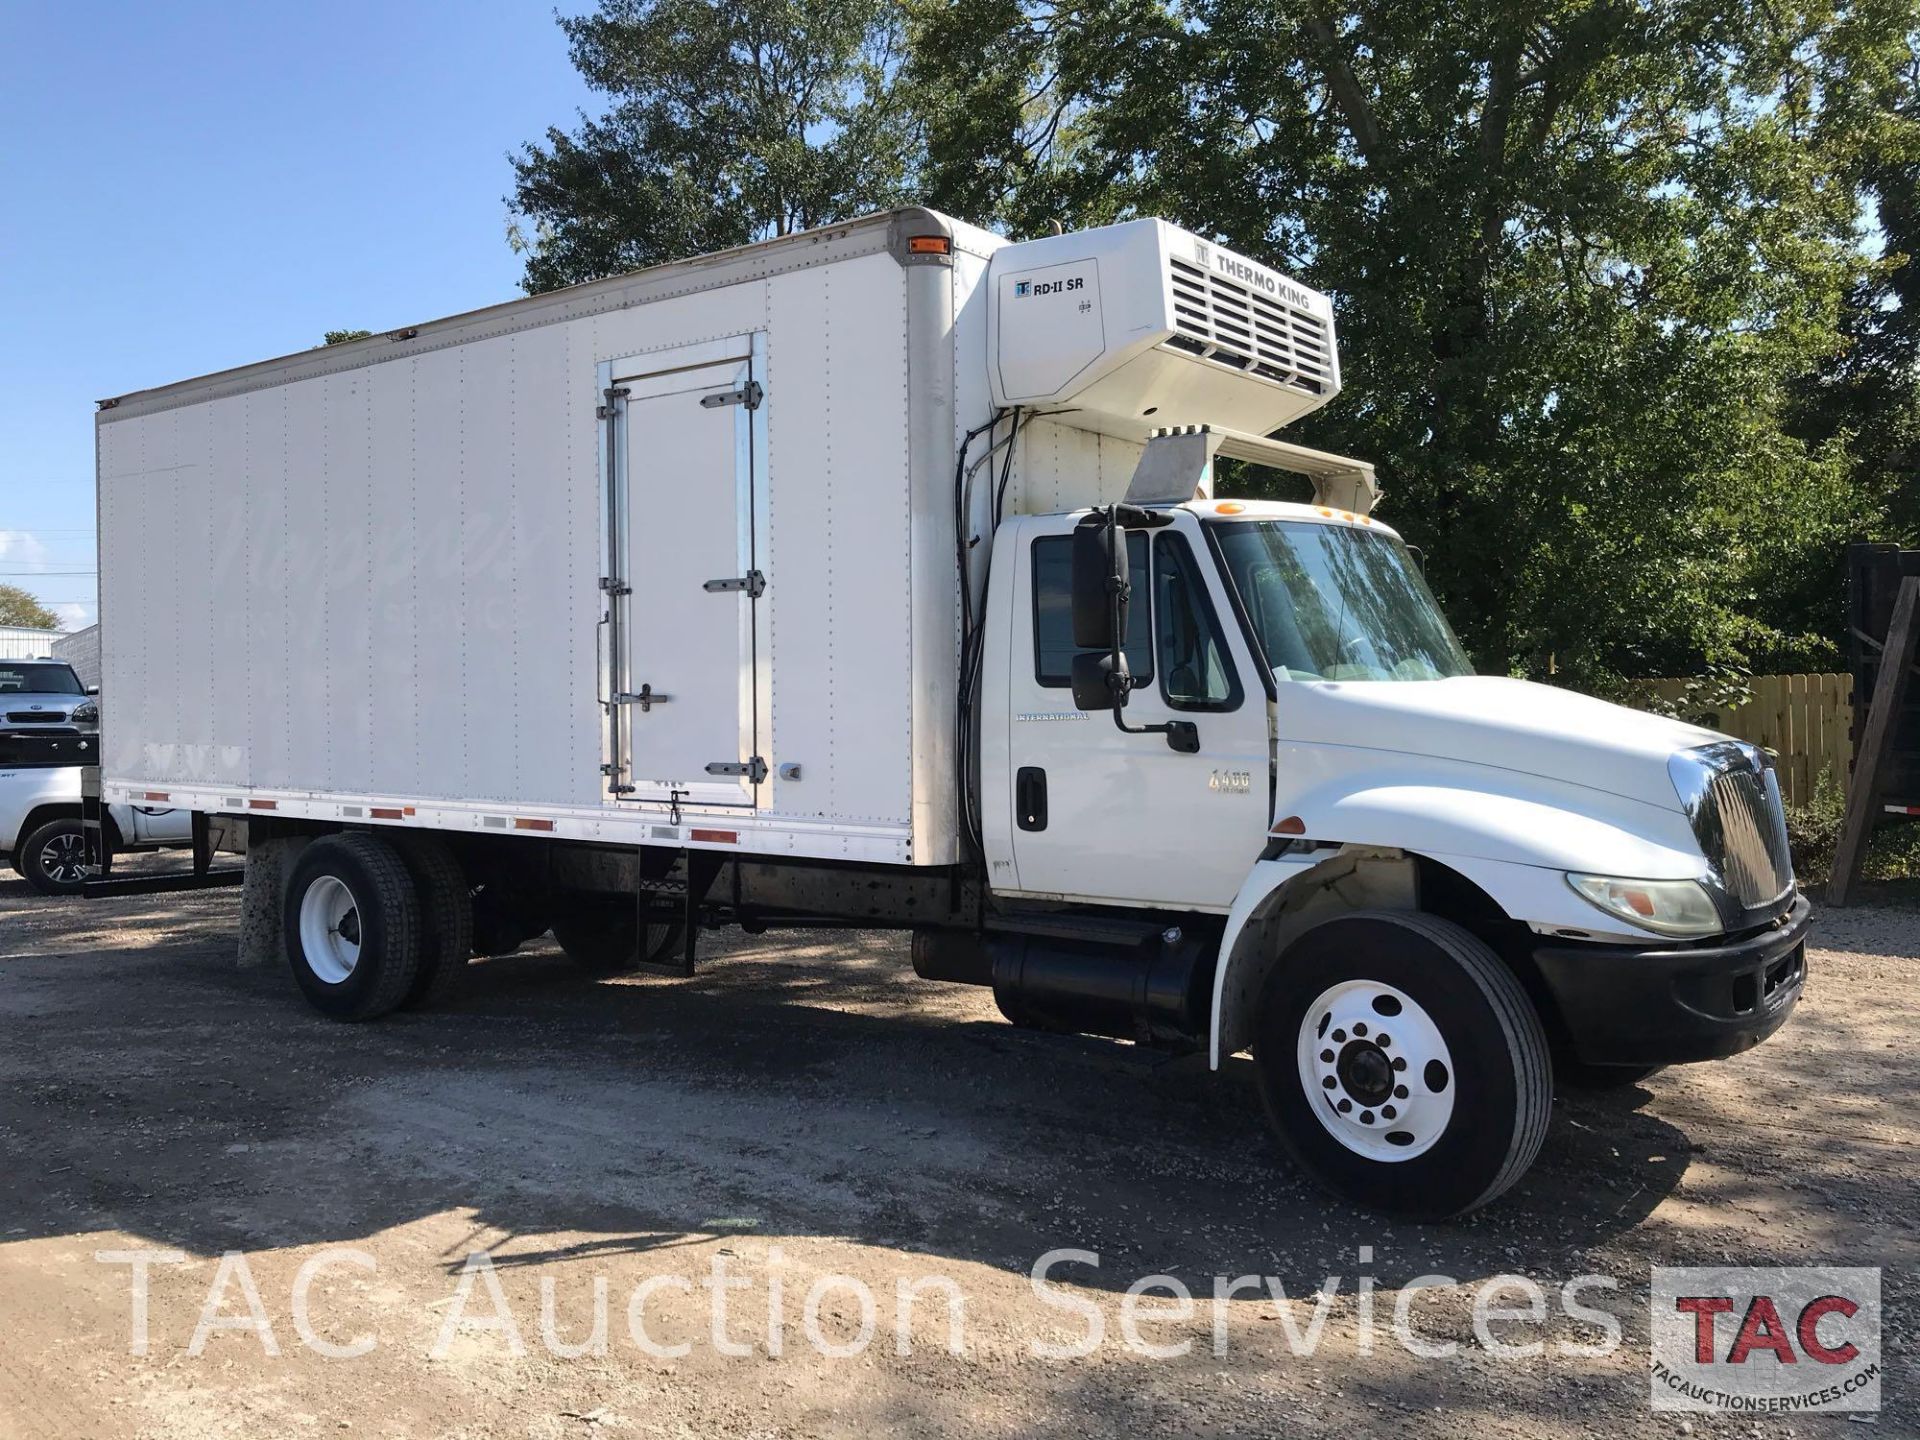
{"type": "Point", "coordinates": [1376, 1069]}
{"type": "Point", "coordinates": [330, 929]}
{"type": "Point", "coordinates": [63, 859]}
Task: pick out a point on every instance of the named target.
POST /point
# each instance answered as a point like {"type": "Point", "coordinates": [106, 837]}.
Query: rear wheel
{"type": "Point", "coordinates": [605, 937]}
{"type": "Point", "coordinates": [53, 859]}
{"type": "Point", "coordinates": [446, 916]}
{"type": "Point", "coordinates": [352, 926]}
{"type": "Point", "coordinates": [1402, 1065]}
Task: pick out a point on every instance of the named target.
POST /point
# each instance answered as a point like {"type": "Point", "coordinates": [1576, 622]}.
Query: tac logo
{"type": "Point", "coordinates": [1771, 1341]}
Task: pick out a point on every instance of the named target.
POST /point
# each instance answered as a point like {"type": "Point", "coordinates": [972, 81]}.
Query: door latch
{"type": "Point", "coordinates": [753, 582]}
{"type": "Point", "coordinates": [749, 395]}
{"type": "Point", "coordinates": [644, 698]}
{"type": "Point", "coordinates": [606, 411]}
{"type": "Point", "coordinates": [755, 769]}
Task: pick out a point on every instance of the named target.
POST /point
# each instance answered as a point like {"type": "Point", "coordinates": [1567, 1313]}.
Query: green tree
{"type": "Point", "coordinates": [1580, 253]}
{"type": "Point", "coordinates": [341, 337]}
{"type": "Point", "coordinates": [727, 123]}
{"type": "Point", "coordinates": [1867, 395]}
{"type": "Point", "coordinates": [18, 607]}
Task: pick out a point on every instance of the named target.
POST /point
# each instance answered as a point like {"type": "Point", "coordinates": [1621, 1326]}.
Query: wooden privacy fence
{"type": "Point", "coordinates": [1806, 720]}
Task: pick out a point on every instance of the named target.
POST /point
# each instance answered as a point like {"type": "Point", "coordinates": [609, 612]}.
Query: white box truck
{"type": "Point", "coordinates": [875, 576]}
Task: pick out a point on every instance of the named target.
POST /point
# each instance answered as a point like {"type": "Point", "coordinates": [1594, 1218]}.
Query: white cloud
{"type": "Point", "coordinates": [22, 553]}
{"type": "Point", "coordinates": [23, 550]}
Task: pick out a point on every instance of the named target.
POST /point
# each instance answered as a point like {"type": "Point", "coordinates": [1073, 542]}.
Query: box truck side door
{"type": "Point", "coordinates": [1103, 815]}
{"type": "Point", "coordinates": [687, 436]}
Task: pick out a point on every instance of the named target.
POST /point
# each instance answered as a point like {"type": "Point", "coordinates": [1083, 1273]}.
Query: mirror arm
{"type": "Point", "coordinates": [1182, 735]}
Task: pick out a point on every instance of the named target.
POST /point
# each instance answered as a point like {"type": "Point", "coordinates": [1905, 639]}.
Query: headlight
{"type": "Point", "coordinates": [87, 714]}
{"type": "Point", "coordinates": [1669, 907]}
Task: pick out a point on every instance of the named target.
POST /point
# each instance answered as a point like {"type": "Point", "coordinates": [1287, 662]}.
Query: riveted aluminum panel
{"type": "Point", "coordinates": [838, 604]}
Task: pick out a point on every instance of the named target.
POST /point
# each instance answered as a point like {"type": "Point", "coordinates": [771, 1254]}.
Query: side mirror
{"type": "Point", "coordinates": [93, 689]}
{"type": "Point", "coordinates": [1099, 569]}
{"type": "Point", "coordinates": [1093, 681]}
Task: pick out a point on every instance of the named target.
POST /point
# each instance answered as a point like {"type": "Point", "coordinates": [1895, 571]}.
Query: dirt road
{"type": "Point", "coordinates": [799, 1131]}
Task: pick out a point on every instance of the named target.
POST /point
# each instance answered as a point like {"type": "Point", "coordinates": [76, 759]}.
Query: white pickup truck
{"type": "Point", "coordinates": [40, 821]}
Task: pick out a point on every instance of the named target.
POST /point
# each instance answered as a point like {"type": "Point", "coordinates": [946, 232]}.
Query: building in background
{"type": "Point", "coordinates": [81, 650]}
{"type": "Point", "coordinates": [23, 642]}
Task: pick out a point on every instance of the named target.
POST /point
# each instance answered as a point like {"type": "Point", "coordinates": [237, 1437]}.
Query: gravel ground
{"type": "Point", "coordinates": [805, 1109]}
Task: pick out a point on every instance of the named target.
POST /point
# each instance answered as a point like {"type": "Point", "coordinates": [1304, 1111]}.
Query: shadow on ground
{"type": "Point", "coordinates": [799, 1085]}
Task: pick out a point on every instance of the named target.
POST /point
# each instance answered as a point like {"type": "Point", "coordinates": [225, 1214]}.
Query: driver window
{"type": "Point", "coordinates": [1053, 647]}
{"type": "Point", "coordinates": [1196, 668]}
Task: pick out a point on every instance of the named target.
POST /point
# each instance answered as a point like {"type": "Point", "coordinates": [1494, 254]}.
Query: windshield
{"type": "Point", "coordinates": [1335, 602]}
{"type": "Point", "coordinates": [17, 678]}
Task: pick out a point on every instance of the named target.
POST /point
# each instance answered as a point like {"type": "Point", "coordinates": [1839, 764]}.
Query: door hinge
{"type": "Point", "coordinates": [615, 587]}
{"type": "Point", "coordinates": [753, 582]}
{"type": "Point", "coordinates": [754, 769]}
{"type": "Point", "coordinates": [749, 395]}
{"type": "Point", "coordinates": [618, 392]}
{"type": "Point", "coordinates": [644, 698]}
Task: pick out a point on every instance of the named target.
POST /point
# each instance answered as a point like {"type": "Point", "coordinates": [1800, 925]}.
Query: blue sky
{"type": "Point", "coordinates": [189, 185]}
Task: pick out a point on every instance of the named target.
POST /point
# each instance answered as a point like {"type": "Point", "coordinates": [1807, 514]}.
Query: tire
{"type": "Point", "coordinates": [1441, 1084]}
{"type": "Point", "coordinates": [352, 926]}
{"type": "Point", "coordinates": [53, 858]}
{"type": "Point", "coordinates": [1571, 1074]}
{"type": "Point", "coordinates": [446, 917]}
{"type": "Point", "coordinates": [603, 937]}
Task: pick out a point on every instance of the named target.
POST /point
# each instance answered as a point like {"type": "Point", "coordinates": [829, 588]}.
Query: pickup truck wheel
{"type": "Point", "coordinates": [352, 926]}
{"type": "Point", "coordinates": [53, 859]}
{"type": "Point", "coordinates": [1402, 1065]}
{"type": "Point", "coordinates": [604, 938]}
{"type": "Point", "coordinates": [446, 917]}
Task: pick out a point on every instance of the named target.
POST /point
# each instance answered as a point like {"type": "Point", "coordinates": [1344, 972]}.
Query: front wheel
{"type": "Point", "coordinates": [1402, 1065]}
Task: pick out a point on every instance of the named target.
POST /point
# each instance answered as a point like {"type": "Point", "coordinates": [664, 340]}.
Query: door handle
{"type": "Point", "coordinates": [1030, 798]}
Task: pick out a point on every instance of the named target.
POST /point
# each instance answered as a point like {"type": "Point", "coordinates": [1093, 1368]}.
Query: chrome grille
{"type": "Point", "coordinates": [1753, 858]}
{"type": "Point", "coordinates": [1732, 797]}
{"type": "Point", "coordinates": [1226, 322]}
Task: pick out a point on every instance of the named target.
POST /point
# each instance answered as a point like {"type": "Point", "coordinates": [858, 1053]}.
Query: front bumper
{"type": "Point", "coordinates": [1625, 1005]}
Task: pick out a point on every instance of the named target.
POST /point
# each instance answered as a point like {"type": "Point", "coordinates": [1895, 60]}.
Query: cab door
{"type": "Point", "coordinates": [1097, 814]}
{"type": "Point", "coordinates": [685, 575]}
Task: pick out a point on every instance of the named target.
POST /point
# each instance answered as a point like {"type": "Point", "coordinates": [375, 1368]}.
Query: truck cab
{"type": "Point", "coordinates": [1418, 886]}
